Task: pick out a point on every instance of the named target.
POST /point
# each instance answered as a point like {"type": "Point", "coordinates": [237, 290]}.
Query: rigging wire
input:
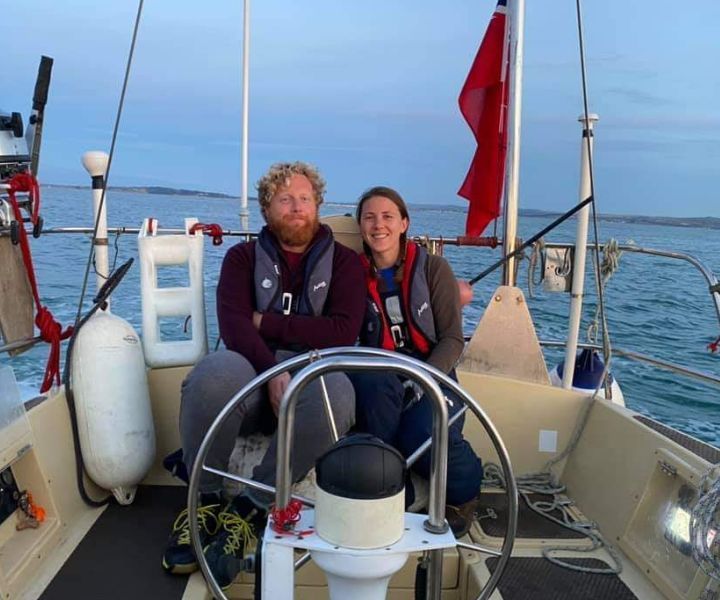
{"type": "Point", "coordinates": [596, 246]}
{"type": "Point", "coordinates": [520, 249]}
{"type": "Point", "coordinates": [110, 158]}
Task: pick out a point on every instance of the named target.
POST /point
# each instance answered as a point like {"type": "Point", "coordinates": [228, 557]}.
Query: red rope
{"type": "Point", "coordinates": [212, 229]}
{"type": "Point", "coordinates": [284, 520]}
{"type": "Point", "coordinates": [26, 182]}
{"type": "Point", "coordinates": [50, 330]}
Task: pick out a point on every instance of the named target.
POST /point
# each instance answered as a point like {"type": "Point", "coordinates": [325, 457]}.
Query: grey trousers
{"type": "Point", "coordinates": [217, 378]}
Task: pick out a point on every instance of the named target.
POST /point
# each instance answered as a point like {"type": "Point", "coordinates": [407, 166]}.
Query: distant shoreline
{"type": "Point", "coordinates": [151, 189]}
{"type": "Point", "coordinates": [696, 222]}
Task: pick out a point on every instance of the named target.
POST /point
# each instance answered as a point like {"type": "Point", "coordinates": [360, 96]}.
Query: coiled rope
{"type": "Point", "coordinates": [608, 266]}
{"type": "Point", "coordinates": [705, 524]}
{"type": "Point", "coordinates": [545, 483]}
{"type": "Point", "coordinates": [537, 256]}
{"type": "Point", "coordinates": [50, 329]}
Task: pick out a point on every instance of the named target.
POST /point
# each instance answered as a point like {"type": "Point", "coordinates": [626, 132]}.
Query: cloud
{"type": "Point", "coordinates": [682, 122]}
{"type": "Point", "coordinates": [289, 146]}
{"type": "Point", "coordinates": [639, 97]}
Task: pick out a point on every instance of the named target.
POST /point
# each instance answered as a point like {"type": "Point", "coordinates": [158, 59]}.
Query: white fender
{"type": "Point", "coordinates": [112, 403]}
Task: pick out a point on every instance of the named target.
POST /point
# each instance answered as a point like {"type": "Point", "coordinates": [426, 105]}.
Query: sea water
{"type": "Point", "coordinates": [658, 307]}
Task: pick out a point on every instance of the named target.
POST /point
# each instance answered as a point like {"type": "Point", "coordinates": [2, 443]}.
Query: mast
{"type": "Point", "coordinates": [245, 116]}
{"type": "Point", "coordinates": [516, 20]}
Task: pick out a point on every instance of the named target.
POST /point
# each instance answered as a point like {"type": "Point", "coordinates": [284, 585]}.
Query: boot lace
{"type": "Point", "coordinates": [207, 519]}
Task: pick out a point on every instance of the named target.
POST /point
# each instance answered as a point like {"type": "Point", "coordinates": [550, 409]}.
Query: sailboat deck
{"type": "Point", "coordinates": [120, 557]}
{"type": "Point", "coordinates": [615, 474]}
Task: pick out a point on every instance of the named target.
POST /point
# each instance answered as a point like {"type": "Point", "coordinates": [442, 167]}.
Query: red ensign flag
{"type": "Point", "coordinates": [483, 103]}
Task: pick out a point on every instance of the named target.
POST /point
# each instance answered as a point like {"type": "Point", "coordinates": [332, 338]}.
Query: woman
{"type": "Point", "coordinates": [413, 308]}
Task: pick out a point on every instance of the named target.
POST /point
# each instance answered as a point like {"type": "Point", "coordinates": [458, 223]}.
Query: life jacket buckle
{"type": "Point", "coordinates": [287, 299]}
{"type": "Point", "coordinates": [397, 336]}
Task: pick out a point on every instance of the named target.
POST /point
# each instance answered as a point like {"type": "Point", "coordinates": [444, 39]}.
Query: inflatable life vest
{"type": "Point", "coordinates": [412, 332]}
{"type": "Point", "coordinates": [269, 293]}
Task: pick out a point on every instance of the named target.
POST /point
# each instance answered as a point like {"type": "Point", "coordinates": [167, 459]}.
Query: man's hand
{"type": "Point", "coordinates": [257, 320]}
{"type": "Point", "coordinates": [276, 388]}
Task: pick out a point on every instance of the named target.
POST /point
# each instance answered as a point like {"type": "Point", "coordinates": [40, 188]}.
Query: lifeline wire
{"type": "Point", "coordinates": [110, 158]}
{"type": "Point", "coordinates": [596, 247]}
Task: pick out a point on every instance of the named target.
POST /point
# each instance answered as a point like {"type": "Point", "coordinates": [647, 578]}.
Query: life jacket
{"type": "Point", "coordinates": [416, 335]}
{"type": "Point", "coordinates": [317, 273]}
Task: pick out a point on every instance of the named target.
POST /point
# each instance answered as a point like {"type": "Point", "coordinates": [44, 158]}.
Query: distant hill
{"type": "Point", "coordinates": [152, 189]}
{"type": "Point", "coordinates": [701, 222]}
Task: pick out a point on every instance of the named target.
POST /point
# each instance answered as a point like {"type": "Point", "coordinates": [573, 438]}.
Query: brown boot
{"type": "Point", "coordinates": [460, 518]}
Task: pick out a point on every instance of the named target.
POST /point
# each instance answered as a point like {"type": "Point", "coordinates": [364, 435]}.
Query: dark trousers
{"type": "Point", "coordinates": [383, 409]}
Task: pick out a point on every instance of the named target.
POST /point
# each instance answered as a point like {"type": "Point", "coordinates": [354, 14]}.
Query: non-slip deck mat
{"type": "Point", "coordinates": [698, 448]}
{"type": "Point", "coordinates": [121, 556]}
{"type": "Point", "coordinates": [539, 579]}
{"type": "Point", "coordinates": [530, 524]}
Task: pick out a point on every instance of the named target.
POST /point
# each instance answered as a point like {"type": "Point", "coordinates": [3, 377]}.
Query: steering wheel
{"type": "Point", "coordinates": [345, 359]}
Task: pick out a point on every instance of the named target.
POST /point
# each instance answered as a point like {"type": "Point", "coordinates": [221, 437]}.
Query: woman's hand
{"type": "Point", "coordinates": [466, 292]}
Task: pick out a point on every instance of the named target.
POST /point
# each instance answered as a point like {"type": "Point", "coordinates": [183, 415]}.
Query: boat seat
{"type": "Point", "coordinates": [248, 453]}
{"type": "Point", "coordinates": [346, 231]}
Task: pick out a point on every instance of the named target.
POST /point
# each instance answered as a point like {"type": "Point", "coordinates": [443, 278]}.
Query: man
{"type": "Point", "coordinates": [292, 290]}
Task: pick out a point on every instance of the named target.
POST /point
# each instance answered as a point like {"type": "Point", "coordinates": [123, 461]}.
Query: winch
{"type": "Point", "coordinates": [20, 151]}
{"type": "Point", "coordinates": [14, 154]}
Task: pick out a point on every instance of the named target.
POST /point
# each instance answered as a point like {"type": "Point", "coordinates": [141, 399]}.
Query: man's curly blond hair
{"type": "Point", "coordinates": [279, 175]}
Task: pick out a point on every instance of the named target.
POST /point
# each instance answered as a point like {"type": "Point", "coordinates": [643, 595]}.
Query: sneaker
{"type": "Point", "coordinates": [460, 518]}
{"type": "Point", "coordinates": [179, 557]}
{"type": "Point", "coordinates": [240, 523]}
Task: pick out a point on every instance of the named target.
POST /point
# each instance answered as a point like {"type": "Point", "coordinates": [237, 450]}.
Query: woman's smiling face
{"type": "Point", "coordinates": [381, 226]}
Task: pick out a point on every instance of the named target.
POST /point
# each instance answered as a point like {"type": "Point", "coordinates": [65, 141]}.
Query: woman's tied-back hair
{"type": "Point", "coordinates": [398, 201]}
{"type": "Point", "coordinates": [279, 175]}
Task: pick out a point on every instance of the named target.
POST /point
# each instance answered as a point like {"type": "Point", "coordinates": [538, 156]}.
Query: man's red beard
{"type": "Point", "coordinates": [294, 233]}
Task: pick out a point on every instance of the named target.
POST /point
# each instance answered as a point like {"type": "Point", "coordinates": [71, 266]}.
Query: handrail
{"type": "Point", "coordinates": [707, 273]}
{"type": "Point", "coordinates": [460, 240]}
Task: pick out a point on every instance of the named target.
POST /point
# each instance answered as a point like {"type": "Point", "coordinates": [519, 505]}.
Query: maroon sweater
{"type": "Point", "coordinates": [339, 324]}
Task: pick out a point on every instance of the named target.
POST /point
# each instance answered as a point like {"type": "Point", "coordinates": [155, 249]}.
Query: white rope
{"type": "Point", "coordinates": [546, 484]}
{"type": "Point", "coordinates": [610, 264]}
{"type": "Point", "coordinates": [705, 524]}
{"type": "Point", "coordinates": [538, 255]}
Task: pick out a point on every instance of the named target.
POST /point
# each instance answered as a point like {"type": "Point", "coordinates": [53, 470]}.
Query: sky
{"type": "Point", "coordinates": [368, 92]}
